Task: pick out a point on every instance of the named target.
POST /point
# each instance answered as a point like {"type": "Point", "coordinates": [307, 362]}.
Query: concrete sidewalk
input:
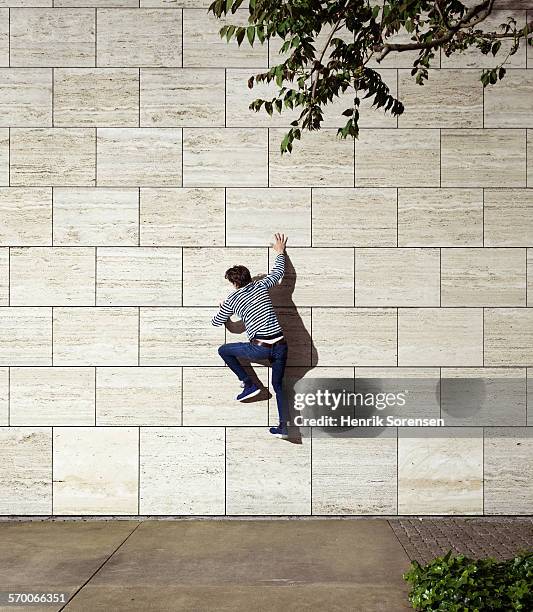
{"type": "Point", "coordinates": [204, 565]}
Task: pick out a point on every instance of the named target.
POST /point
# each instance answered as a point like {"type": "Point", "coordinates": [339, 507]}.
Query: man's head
{"type": "Point", "coordinates": [239, 276]}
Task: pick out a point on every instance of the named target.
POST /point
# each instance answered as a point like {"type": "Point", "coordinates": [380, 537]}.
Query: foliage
{"type": "Point", "coordinates": [459, 584]}
{"type": "Point", "coordinates": [333, 47]}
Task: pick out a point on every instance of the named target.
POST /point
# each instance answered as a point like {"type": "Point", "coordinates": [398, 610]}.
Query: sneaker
{"type": "Point", "coordinates": [249, 391]}
{"type": "Point", "coordinates": [280, 431]}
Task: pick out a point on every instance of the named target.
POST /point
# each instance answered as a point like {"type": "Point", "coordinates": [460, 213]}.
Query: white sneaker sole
{"type": "Point", "coordinates": [257, 392]}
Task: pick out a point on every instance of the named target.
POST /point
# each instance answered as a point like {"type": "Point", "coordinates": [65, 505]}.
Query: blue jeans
{"type": "Point", "coordinates": [277, 355]}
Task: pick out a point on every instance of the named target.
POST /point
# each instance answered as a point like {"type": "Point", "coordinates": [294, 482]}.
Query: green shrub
{"type": "Point", "coordinates": [459, 584]}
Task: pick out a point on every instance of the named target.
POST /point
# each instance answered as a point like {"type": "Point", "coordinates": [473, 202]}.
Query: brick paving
{"type": "Point", "coordinates": [501, 538]}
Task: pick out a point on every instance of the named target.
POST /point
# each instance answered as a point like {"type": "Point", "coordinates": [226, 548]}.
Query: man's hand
{"type": "Point", "coordinates": [280, 240]}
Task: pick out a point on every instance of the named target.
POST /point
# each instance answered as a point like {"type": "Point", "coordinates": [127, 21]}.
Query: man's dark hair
{"type": "Point", "coordinates": [239, 276]}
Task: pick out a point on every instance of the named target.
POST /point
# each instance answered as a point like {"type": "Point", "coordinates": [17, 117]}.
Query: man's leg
{"type": "Point", "coordinates": [230, 354]}
{"type": "Point", "coordinates": [279, 360]}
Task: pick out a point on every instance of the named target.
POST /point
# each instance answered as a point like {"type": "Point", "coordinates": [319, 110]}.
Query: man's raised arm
{"type": "Point", "coordinates": [222, 315]}
{"type": "Point", "coordinates": [275, 276]}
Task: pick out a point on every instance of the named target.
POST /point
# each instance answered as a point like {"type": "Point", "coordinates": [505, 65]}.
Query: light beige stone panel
{"type": "Point", "coordinates": [52, 37]}
{"type": "Point", "coordinates": [182, 470]}
{"type": "Point", "coordinates": [440, 217]}
{"type": "Point", "coordinates": [139, 37]}
{"type": "Point", "coordinates": [203, 273]}
{"type": "Point", "coordinates": [4, 37]}
{"type": "Point", "coordinates": [4, 276]}
{"type": "Point", "coordinates": [354, 475]}
{"type": "Point", "coordinates": [509, 103]}
{"type": "Point", "coordinates": [138, 396]}
{"type": "Point", "coordinates": [96, 336]}
{"type": "Point", "coordinates": [52, 396]}
{"type": "Point", "coordinates": [4, 156]}
{"type": "Point", "coordinates": [318, 159]}
{"type": "Point", "coordinates": [529, 289]}
{"type": "Point", "coordinates": [26, 216]}
{"type": "Point", "coordinates": [440, 336]}
{"type": "Point", "coordinates": [182, 97]}
{"type": "Point", "coordinates": [508, 470]}
{"type": "Point", "coordinates": [96, 470]}
{"type": "Point", "coordinates": [25, 336]}
{"type": "Point", "coordinates": [304, 283]}
{"type": "Point", "coordinates": [483, 277]}
{"type": "Point", "coordinates": [448, 98]}
{"type": "Point", "coordinates": [203, 47]}
{"type": "Point", "coordinates": [355, 336]}
{"type": "Point", "coordinates": [179, 336]}
{"type": "Point", "coordinates": [530, 158]}
{"type": "Point", "coordinates": [145, 157]}
{"type": "Point", "coordinates": [4, 396]}
{"type": "Point", "coordinates": [221, 157]}
{"type": "Point", "coordinates": [52, 156]}
{"type": "Point", "coordinates": [397, 158]}
{"type": "Point", "coordinates": [26, 470]}
{"type": "Point", "coordinates": [96, 216]}
{"type": "Point", "coordinates": [440, 473]}
{"type": "Point", "coordinates": [354, 217]}
{"type": "Point", "coordinates": [96, 3]}
{"type": "Point", "coordinates": [473, 58]}
{"type": "Point", "coordinates": [508, 217]}
{"type": "Point", "coordinates": [483, 158]}
{"type": "Point", "coordinates": [397, 277]}
{"type": "Point", "coordinates": [209, 398]}
{"type": "Point", "coordinates": [96, 96]}
{"type": "Point", "coordinates": [25, 97]}
{"type": "Point", "coordinates": [182, 217]}
{"type": "Point", "coordinates": [254, 482]}
{"type": "Point", "coordinates": [52, 276]}
{"type": "Point", "coordinates": [254, 215]}
{"type": "Point", "coordinates": [138, 276]}
{"type": "Point", "coordinates": [508, 336]}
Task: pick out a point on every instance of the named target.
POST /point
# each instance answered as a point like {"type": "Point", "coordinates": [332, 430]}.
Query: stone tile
{"type": "Point", "coordinates": [179, 336]}
{"type": "Point", "coordinates": [221, 157]}
{"type": "Point", "coordinates": [508, 470]}
{"type": "Point", "coordinates": [209, 398]}
{"type": "Point", "coordinates": [96, 336]}
{"type": "Point", "coordinates": [402, 59]}
{"type": "Point", "coordinates": [96, 96]}
{"type": "Point", "coordinates": [508, 336]}
{"type": "Point", "coordinates": [473, 58]}
{"type": "Point", "coordinates": [146, 157]}
{"type": "Point", "coordinates": [182, 97]}
{"type": "Point", "coordinates": [303, 283]}
{"type": "Point", "coordinates": [508, 217]}
{"type": "Point", "coordinates": [52, 37]}
{"type": "Point", "coordinates": [96, 216]}
{"type": "Point", "coordinates": [203, 47]}
{"type": "Point", "coordinates": [354, 217]}
{"type": "Point", "coordinates": [182, 217]}
{"type": "Point", "coordinates": [203, 273]}
{"type": "Point", "coordinates": [139, 37]}
{"type": "Point", "coordinates": [138, 276]}
{"type": "Point", "coordinates": [25, 96]}
{"type": "Point", "coordinates": [440, 337]}
{"type": "Point", "coordinates": [26, 216]}
{"type": "Point", "coordinates": [397, 158]}
{"type": "Point", "coordinates": [483, 158]}
{"type": "Point", "coordinates": [509, 104]}
{"type": "Point", "coordinates": [25, 336]}
{"type": "Point", "coordinates": [448, 98]}
{"type": "Point", "coordinates": [4, 156]}
{"type": "Point", "coordinates": [52, 276]}
{"type": "Point", "coordinates": [26, 470]}
{"type": "Point", "coordinates": [4, 276]}
{"type": "Point", "coordinates": [354, 475]}
{"type": "Point", "coordinates": [4, 396]}
{"type": "Point", "coordinates": [96, 3]}
{"type": "Point", "coordinates": [440, 217]}
{"type": "Point", "coordinates": [530, 158]}
{"type": "Point", "coordinates": [138, 396]}
{"type": "Point", "coordinates": [397, 277]}
{"type": "Point", "coordinates": [355, 336]}
{"type": "Point", "coordinates": [254, 483]}
{"type": "Point", "coordinates": [4, 37]}
{"type": "Point", "coordinates": [483, 277]}
{"type": "Point", "coordinates": [26, 3]}
{"type": "Point", "coordinates": [483, 396]}
{"type": "Point", "coordinates": [182, 470]}
{"type": "Point", "coordinates": [52, 156]}
{"type": "Point", "coordinates": [529, 288]}
{"type": "Point", "coordinates": [319, 159]}
{"type": "Point", "coordinates": [254, 215]}
{"type": "Point", "coordinates": [52, 396]}
{"type": "Point", "coordinates": [440, 471]}
{"type": "Point", "coordinates": [96, 470]}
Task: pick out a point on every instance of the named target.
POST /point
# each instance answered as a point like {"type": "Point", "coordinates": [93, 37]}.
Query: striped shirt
{"type": "Point", "coordinates": [252, 304]}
